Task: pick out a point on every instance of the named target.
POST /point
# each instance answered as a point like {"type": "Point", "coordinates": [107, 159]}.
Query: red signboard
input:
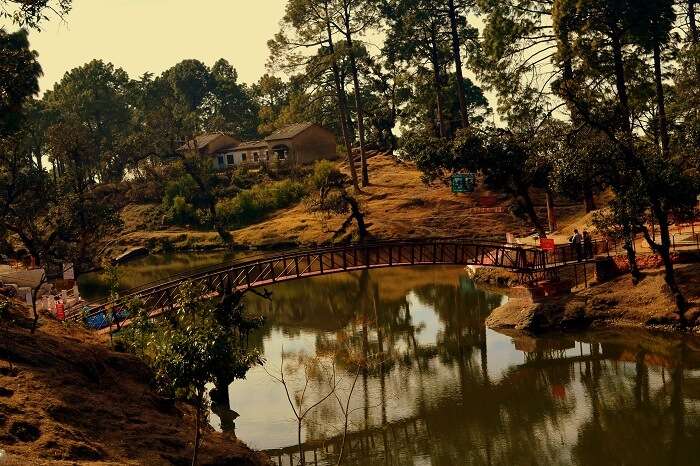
{"type": "Point", "coordinates": [60, 311]}
{"type": "Point", "coordinates": [488, 201]}
{"type": "Point", "coordinates": [547, 244]}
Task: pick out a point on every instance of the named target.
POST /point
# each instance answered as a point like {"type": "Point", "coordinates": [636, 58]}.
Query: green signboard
{"type": "Point", "coordinates": [463, 182]}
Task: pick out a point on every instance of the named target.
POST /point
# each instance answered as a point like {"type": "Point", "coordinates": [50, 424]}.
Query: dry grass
{"type": "Point", "coordinates": [70, 400]}
{"type": "Point", "coordinates": [396, 205]}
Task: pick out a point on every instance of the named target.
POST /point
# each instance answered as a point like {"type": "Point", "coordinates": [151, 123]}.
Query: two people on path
{"type": "Point", "coordinates": [582, 245]}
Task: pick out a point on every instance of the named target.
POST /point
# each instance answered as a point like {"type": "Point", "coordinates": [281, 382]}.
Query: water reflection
{"type": "Point", "coordinates": [152, 268]}
{"type": "Point", "coordinates": [449, 391]}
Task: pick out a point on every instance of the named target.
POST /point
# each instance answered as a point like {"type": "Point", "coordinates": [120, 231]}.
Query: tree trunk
{"type": "Point", "coordinates": [197, 428]}
{"type": "Point", "coordinates": [437, 85]}
{"type": "Point", "coordinates": [588, 200]}
{"type": "Point", "coordinates": [621, 83]}
{"type": "Point", "coordinates": [458, 63]}
{"type": "Point", "coordinates": [525, 201]}
{"type": "Point", "coordinates": [664, 250]}
{"type": "Point", "coordinates": [694, 36]}
{"type": "Point", "coordinates": [302, 460]}
{"type": "Point", "coordinates": [551, 212]}
{"type": "Point", "coordinates": [342, 104]}
{"type": "Point", "coordinates": [359, 217]}
{"type": "Point", "coordinates": [211, 202]}
{"type": "Point", "coordinates": [631, 254]}
{"type": "Point", "coordinates": [692, 24]}
{"type": "Point", "coordinates": [660, 102]}
{"type": "Point", "coordinates": [358, 99]}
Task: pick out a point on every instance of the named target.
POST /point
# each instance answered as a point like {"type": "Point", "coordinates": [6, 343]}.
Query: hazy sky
{"type": "Point", "coordinates": [153, 35]}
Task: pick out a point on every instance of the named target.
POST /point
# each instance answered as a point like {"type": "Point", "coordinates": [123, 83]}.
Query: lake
{"type": "Point", "coordinates": [405, 353]}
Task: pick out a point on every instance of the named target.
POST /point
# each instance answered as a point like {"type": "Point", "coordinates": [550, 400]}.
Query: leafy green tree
{"type": "Point", "coordinates": [96, 96]}
{"type": "Point", "coordinates": [31, 13]}
{"type": "Point", "coordinates": [271, 94]}
{"type": "Point", "coordinates": [355, 17]}
{"type": "Point", "coordinates": [307, 26]}
{"type": "Point", "coordinates": [230, 106]}
{"type": "Point", "coordinates": [505, 159]}
{"type": "Point", "coordinates": [19, 70]}
{"type": "Point", "coordinates": [415, 37]}
{"type": "Point", "coordinates": [196, 346]}
{"type": "Point", "coordinates": [607, 38]}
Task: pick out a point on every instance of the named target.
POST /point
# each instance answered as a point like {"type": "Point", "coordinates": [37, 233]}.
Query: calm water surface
{"type": "Point", "coordinates": [152, 268]}
{"type": "Point", "coordinates": [444, 390]}
{"type": "Point", "coordinates": [441, 389]}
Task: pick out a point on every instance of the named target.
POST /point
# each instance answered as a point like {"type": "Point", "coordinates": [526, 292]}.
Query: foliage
{"type": "Point", "coordinates": [31, 13]}
{"type": "Point", "coordinates": [330, 197]}
{"type": "Point", "coordinates": [508, 162]}
{"type": "Point", "coordinates": [198, 344]}
{"type": "Point", "coordinates": [19, 70]}
{"type": "Point", "coordinates": [253, 204]}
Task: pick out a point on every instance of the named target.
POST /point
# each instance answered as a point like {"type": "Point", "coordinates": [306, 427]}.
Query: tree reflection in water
{"type": "Point", "coordinates": [449, 391]}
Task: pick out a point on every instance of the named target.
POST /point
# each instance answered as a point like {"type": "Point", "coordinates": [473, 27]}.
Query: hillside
{"type": "Point", "coordinates": [396, 205]}
{"type": "Point", "coordinates": [69, 399]}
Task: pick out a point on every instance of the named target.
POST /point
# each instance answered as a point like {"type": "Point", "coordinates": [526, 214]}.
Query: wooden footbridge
{"type": "Point", "coordinates": [530, 263]}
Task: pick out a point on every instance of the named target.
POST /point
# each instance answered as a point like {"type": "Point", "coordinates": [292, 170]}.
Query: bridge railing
{"type": "Point", "coordinates": [566, 253]}
{"type": "Point", "coordinates": [261, 271]}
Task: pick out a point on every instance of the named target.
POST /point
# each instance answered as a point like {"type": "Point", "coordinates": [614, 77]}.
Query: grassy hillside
{"type": "Point", "coordinates": [69, 399]}
{"type": "Point", "coordinates": [397, 205]}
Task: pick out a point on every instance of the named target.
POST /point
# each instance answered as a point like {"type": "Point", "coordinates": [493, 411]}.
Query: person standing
{"type": "Point", "coordinates": [575, 242]}
{"type": "Point", "coordinates": [587, 245]}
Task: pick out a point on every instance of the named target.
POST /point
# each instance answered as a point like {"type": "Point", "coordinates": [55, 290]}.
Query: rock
{"type": "Point", "coordinates": [24, 431]}
{"type": "Point", "coordinates": [82, 451]}
{"type": "Point", "coordinates": [129, 254]}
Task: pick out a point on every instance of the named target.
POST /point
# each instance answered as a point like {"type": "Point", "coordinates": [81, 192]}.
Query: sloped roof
{"type": "Point", "coordinates": [203, 140]}
{"type": "Point", "coordinates": [289, 132]}
{"type": "Point", "coordinates": [251, 145]}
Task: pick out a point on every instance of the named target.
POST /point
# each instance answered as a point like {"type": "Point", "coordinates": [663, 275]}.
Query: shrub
{"type": "Point", "coordinates": [251, 205]}
{"type": "Point", "coordinates": [181, 212]}
{"type": "Point", "coordinates": [322, 174]}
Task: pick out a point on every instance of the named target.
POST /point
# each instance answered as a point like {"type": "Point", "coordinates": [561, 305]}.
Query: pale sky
{"type": "Point", "coordinates": [153, 35]}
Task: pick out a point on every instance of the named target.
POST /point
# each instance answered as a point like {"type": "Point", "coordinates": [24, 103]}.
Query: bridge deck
{"type": "Point", "coordinates": [253, 273]}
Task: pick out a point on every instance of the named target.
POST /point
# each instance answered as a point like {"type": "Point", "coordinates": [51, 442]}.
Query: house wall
{"type": "Point", "coordinates": [315, 143]}
{"type": "Point", "coordinates": [250, 155]}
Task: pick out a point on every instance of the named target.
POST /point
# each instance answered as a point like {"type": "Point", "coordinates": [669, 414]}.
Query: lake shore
{"type": "Point", "coordinates": [613, 304]}
{"type": "Point", "coordinates": [67, 398]}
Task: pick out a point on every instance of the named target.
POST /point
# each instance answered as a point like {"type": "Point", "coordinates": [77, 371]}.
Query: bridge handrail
{"type": "Point", "coordinates": [281, 254]}
{"type": "Point", "coordinates": [176, 280]}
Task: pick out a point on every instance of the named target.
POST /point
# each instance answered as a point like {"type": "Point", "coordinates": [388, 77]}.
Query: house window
{"type": "Point", "coordinates": [244, 156]}
{"type": "Point", "coordinates": [220, 159]}
{"type": "Point", "coordinates": [282, 155]}
{"type": "Point", "coordinates": [229, 159]}
{"type": "Point", "coordinates": [255, 156]}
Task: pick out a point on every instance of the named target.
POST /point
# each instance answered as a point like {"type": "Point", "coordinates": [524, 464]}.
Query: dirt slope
{"type": "Point", "coordinates": [70, 399]}
{"type": "Point", "coordinates": [397, 204]}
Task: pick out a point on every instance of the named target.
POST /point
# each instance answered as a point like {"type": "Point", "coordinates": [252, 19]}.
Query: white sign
{"type": "Point", "coordinates": [68, 272]}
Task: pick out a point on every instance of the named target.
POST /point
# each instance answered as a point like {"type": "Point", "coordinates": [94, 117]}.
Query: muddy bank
{"type": "Point", "coordinates": [68, 399]}
{"type": "Point", "coordinates": [614, 304]}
